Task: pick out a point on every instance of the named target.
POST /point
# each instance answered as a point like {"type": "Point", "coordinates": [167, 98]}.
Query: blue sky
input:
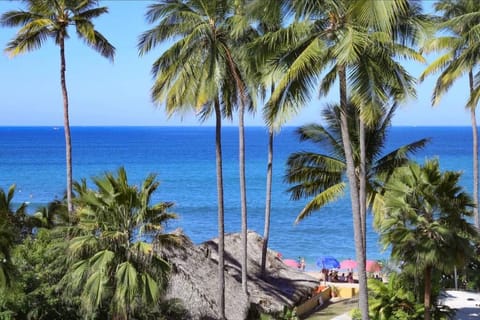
{"type": "Point", "coordinates": [117, 94]}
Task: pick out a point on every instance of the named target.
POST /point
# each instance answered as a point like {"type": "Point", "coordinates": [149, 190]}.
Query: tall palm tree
{"type": "Point", "coordinates": [45, 19]}
{"type": "Point", "coordinates": [321, 176]}
{"type": "Point", "coordinates": [196, 73]}
{"type": "Point", "coordinates": [461, 19]}
{"type": "Point", "coordinates": [270, 20]}
{"type": "Point", "coordinates": [240, 36]}
{"type": "Point", "coordinates": [425, 221]}
{"type": "Point", "coordinates": [359, 40]}
{"type": "Point", "coordinates": [113, 252]}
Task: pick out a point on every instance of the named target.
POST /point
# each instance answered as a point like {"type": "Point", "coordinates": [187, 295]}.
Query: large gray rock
{"type": "Point", "coordinates": [194, 279]}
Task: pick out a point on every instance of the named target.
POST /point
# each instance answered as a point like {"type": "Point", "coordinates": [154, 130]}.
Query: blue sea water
{"type": "Point", "coordinates": [184, 159]}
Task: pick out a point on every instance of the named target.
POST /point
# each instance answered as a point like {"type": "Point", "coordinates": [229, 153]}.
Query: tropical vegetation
{"type": "Point", "coordinates": [460, 20]}
{"type": "Point", "coordinates": [425, 223]}
{"type": "Point", "coordinates": [101, 263]}
{"type": "Point", "coordinates": [95, 254]}
{"type": "Point", "coordinates": [320, 177]}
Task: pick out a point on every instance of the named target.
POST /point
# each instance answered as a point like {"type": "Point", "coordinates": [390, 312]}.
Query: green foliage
{"type": "Point", "coordinates": [424, 217]}
{"type": "Point", "coordinates": [425, 223]}
{"type": "Point", "coordinates": [321, 176]}
{"type": "Point", "coordinates": [17, 219]}
{"type": "Point", "coordinates": [289, 314]}
{"type": "Point", "coordinates": [356, 314]}
{"type": "Point", "coordinates": [40, 263]}
{"type": "Point", "coordinates": [44, 19]}
{"type": "Point", "coordinates": [392, 301]}
{"type": "Point", "coordinates": [113, 266]}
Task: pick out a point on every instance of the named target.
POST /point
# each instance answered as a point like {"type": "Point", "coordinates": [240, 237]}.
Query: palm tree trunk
{"type": "Point", "coordinates": [473, 118]}
{"type": "Point", "coordinates": [220, 205]}
{"type": "Point", "coordinates": [427, 293]}
{"type": "Point", "coordinates": [363, 186]}
{"type": "Point", "coordinates": [66, 124]}
{"type": "Point", "coordinates": [243, 193]}
{"type": "Point", "coordinates": [268, 200]}
{"type": "Point", "coordinates": [354, 196]}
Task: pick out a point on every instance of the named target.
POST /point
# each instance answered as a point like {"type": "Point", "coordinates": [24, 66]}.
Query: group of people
{"type": "Point", "coordinates": [334, 276]}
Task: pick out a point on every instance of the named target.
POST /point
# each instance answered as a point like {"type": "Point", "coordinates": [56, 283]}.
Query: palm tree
{"type": "Point", "coordinates": [15, 225]}
{"type": "Point", "coordinates": [321, 176]}
{"type": "Point", "coordinates": [270, 20]}
{"type": "Point", "coordinates": [7, 240]}
{"type": "Point", "coordinates": [359, 39]}
{"type": "Point", "coordinates": [425, 222]}
{"type": "Point", "coordinates": [17, 219]}
{"type": "Point", "coordinates": [197, 72]}
{"type": "Point", "coordinates": [50, 19]}
{"type": "Point", "coordinates": [461, 20]}
{"type": "Point", "coordinates": [240, 36]}
{"type": "Point", "coordinates": [113, 253]}
{"type": "Point", "coordinates": [53, 215]}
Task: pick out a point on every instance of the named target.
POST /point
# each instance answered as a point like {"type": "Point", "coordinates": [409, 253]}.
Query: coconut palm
{"type": "Point", "coordinates": [425, 223]}
{"type": "Point", "coordinates": [239, 60]}
{"type": "Point", "coordinates": [461, 47]}
{"type": "Point", "coordinates": [270, 20]}
{"type": "Point", "coordinates": [197, 72]}
{"type": "Point", "coordinates": [45, 19]}
{"type": "Point", "coordinates": [113, 258]}
{"type": "Point", "coordinates": [321, 176]}
{"type": "Point", "coordinates": [359, 40]}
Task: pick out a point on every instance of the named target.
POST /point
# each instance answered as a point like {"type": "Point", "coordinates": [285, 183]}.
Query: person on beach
{"type": "Point", "coordinates": [302, 264]}
{"type": "Point", "coordinates": [350, 277]}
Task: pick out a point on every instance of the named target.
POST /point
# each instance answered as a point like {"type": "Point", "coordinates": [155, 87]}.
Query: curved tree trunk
{"type": "Point", "coordinates": [220, 205]}
{"type": "Point", "coordinates": [473, 118]}
{"type": "Point", "coordinates": [268, 200]}
{"type": "Point", "coordinates": [243, 193]}
{"type": "Point", "coordinates": [354, 196]}
{"type": "Point", "coordinates": [66, 124]}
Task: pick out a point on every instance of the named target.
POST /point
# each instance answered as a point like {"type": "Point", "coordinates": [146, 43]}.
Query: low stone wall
{"type": "Point", "coordinates": [316, 300]}
{"type": "Point", "coordinates": [347, 292]}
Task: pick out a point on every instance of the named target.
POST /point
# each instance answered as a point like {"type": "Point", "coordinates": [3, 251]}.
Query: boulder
{"type": "Point", "coordinates": [194, 279]}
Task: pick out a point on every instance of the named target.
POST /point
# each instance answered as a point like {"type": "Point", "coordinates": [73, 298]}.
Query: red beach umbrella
{"type": "Point", "coordinates": [348, 264]}
{"type": "Point", "coordinates": [291, 263]}
{"type": "Point", "coordinates": [373, 266]}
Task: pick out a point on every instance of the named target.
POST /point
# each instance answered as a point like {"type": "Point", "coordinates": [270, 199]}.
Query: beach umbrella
{"type": "Point", "coordinates": [348, 264]}
{"type": "Point", "coordinates": [373, 266]}
{"type": "Point", "coordinates": [328, 262]}
{"type": "Point", "coordinates": [291, 263]}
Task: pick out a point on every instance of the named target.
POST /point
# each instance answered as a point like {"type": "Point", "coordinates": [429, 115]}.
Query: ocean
{"type": "Point", "coordinates": [183, 158]}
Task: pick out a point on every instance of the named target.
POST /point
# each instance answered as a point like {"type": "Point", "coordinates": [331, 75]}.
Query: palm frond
{"type": "Point", "coordinates": [320, 200]}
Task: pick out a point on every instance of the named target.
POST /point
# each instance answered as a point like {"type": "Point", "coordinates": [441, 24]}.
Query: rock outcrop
{"type": "Point", "coordinates": [194, 279]}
